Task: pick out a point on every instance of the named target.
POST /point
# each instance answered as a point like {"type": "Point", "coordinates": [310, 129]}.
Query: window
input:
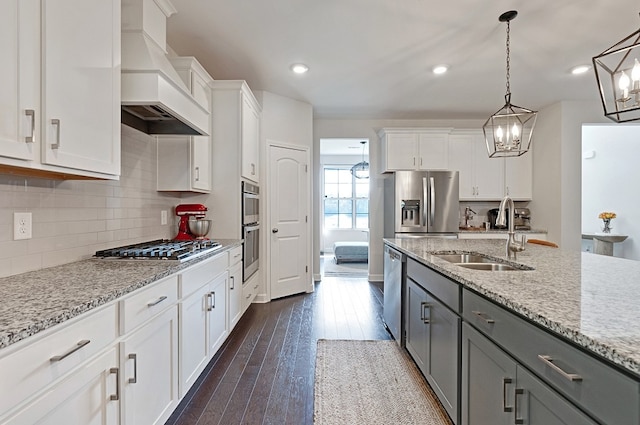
{"type": "Point", "coordinates": [346, 200]}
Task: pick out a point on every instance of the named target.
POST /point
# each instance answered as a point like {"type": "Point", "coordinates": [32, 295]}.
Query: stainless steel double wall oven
{"type": "Point", "coordinates": [250, 228]}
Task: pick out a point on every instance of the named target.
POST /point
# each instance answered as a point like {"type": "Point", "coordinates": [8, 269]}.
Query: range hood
{"type": "Point", "coordinates": [154, 98]}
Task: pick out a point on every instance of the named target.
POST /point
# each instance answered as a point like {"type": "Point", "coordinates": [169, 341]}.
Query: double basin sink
{"type": "Point", "coordinates": [477, 261]}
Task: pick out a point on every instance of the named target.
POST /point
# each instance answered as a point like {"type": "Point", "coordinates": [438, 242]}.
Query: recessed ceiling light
{"type": "Point", "coordinates": [299, 68]}
{"type": "Point", "coordinates": [580, 69]}
{"type": "Point", "coordinates": [440, 69]}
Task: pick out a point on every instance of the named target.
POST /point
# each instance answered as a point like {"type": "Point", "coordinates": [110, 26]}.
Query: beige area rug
{"type": "Point", "coordinates": [371, 382]}
{"type": "Point", "coordinates": [346, 269]}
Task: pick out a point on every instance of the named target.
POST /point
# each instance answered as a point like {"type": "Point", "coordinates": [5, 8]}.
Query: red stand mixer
{"type": "Point", "coordinates": [192, 226]}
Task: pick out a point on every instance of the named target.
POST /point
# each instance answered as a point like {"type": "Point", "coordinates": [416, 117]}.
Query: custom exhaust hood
{"type": "Point", "coordinates": [154, 99]}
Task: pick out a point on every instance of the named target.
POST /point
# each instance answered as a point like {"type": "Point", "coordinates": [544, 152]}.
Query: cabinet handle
{"type": "Point", "coordinates": [484, 317]}
{"type": "Point", "coordinates": [248, 296]}
{"type": "Point", "coordinates": [548, 360]}
{"type": "Point", "coordinates": [197, 174]}
{"type": "Point", "coordinates": [255, 286]}
{"type": "Point", "coordinates": [78, 346]}
{"type": "Point", "coordinates": [253, 169]}
{"type": "Point", "coordinates": [505, 408]}
{"type": "Point", "coordinates": [134, 357]}
{"type": "Point", "coordinates": [233, 283]}
{"type": "Point", "coordinates": [212, 300]}
{"type": "Point", "coordinates": [115, 396]}
{"type": "Point", "coordinates": [414, 160]}
{"type": "Point", "coordinates": [517, 420]}
{"type": "Point", "coordinates": [56, 122]}
{"type": "Point", "coordinates": [32, 114]}
{"type": "Point", "coordinates": [423, 314]}
{"type": "Point", "coordinates": [158, 301]}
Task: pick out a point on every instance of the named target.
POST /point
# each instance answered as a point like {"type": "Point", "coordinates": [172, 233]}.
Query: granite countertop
{"type": "Point", "coordinates": [37, 300]}
{"type": "Point", "coordinates": [482, 230]}
{"type": "Point", "coordinates": [592, 300]}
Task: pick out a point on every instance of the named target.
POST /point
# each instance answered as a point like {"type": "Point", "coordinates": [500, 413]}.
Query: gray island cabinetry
{"type": "Point", "coordinates": [433, 331]}
{"type": "Point", "coordinates": [523, 346]}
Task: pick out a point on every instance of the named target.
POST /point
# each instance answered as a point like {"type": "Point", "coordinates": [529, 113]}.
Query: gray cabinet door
{"type": "Point", "coordinates": [417, 338]}
{"type": "Point", "coordinates": [488, 381]}
{"type": "Point", "coordinates": [537, 404]}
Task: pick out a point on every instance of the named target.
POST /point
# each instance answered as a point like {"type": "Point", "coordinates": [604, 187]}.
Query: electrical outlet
{"type": "Point", "coordinates": [163, 217]}
{"type": "Point", "coordinates": [21, 225]}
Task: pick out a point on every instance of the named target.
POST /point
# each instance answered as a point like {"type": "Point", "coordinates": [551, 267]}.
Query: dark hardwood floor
{"type": "Point", "coordinates": [264, 372]}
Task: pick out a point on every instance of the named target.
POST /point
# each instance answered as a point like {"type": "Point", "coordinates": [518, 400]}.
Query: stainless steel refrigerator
{"type": "Point", "coordinates": [421, 203]}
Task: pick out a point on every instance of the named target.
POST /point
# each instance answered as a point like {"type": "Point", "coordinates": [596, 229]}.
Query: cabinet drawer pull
{"type": "Point", "coordinates": [158, 301]}
{"type": "Point", "coordinates": [197, 174]}
{"type": "Point", "coordinates": [115, 396]}
{"type": "Point", "coordinates": [248, 296]}
{"type": "Point", "coordinates": [255, 286]}
{"type": "Point", "coordinates": [134, 357]}
{"type": "Point", "coordinates": [78, 346]}
{"type": "Point", "coordinates": [233, 283]}
{"type": "Point", "coordinates": [56, 122]}
{"type": "Point", "coordinates": [484, 316]}
{"type": "Point", "coordinates": [518, 420]}
{"type": "Point", "coordinates": [423, 313]}
{"type": "Point", "coordinates": [211, 296]}
{"type": "Point", "coordinates": [548, 360]}
{"type": "Point", "coordinates": [505, 408]}
{"type": "Point", "coordinates": [32, 115]}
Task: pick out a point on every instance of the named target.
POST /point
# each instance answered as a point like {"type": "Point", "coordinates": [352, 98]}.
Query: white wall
{"type": "Point", "coordinates": [72, 219]}
{"type": "Point", "coordinates": [609, 182]}
{"type": "Point", "coordinates": [557, 169]}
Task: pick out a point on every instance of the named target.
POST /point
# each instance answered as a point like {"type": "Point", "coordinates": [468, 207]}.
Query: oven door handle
{"type": "Point", "coordinates": [251, 227]}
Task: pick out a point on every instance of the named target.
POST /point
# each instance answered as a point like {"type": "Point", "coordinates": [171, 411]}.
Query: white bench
{"type": "Point", "coordinates": [357, 252]}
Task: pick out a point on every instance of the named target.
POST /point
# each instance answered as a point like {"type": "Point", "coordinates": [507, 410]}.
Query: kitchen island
{"type": "Point", "coordinates": [580, 302]}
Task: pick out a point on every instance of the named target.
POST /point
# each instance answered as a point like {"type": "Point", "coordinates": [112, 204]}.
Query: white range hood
{"type": "Point", "coordinates": [154, 98]}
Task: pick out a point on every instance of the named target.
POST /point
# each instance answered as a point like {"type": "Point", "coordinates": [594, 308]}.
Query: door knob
{"type": "Point", "coordinates": [274, 230]}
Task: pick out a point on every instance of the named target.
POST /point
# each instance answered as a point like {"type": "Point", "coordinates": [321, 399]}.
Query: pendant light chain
{"type": "Point", "coordinates": [508, 94]}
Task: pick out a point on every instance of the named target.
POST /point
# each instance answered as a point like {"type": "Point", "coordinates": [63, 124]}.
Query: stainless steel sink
{"type": "Point", "coordinates": [464, 258]}
{"type": "Point", "coordinates": [494, 267]}
{"type": "Point", "coordinates": [476, 261]}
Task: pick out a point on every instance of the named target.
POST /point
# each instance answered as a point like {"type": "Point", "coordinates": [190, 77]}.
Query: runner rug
{"type": "Point", "coordinates": [371, 382]}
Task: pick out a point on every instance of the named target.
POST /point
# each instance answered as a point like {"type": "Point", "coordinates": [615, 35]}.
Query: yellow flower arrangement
{"type": "Point", "coordinates": [607, 215]}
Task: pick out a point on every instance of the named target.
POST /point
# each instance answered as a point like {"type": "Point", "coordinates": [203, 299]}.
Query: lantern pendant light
{"type": "Point", "coordinates": [618, 75]}
{"type": "Point", "coordinates": [509, 131]}
{"type": "Point", "coordinates": [361, 169]}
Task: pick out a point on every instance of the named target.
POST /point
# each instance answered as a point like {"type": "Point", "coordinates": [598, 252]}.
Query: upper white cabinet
{"type": "Point", "coordinates": [414, 149]}
{"type": "Point", "coordinates": [518, 177]}
{"type": "Point", "coordinates": [236, 122]}
{"type": "Point", "coordinates": [61, 91]}
{"type": "Point", "coordinates": [184, 162]}
{"type": "Point", "coordinates": [481, 177]}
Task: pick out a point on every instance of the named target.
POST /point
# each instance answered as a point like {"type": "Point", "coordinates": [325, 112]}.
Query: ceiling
{"type": "Point", "coordinates": [373, 58]}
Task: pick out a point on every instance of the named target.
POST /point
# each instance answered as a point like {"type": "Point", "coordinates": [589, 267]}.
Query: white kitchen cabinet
{"type": "Point", "coordinates": [194, 316]}
{"type": "Point", "coordinates": [75, 124]}
{"type": "Point", "coordinates": [250, 137]}
{"type": "Point", "coordinates": [414, 149]}
{"type": "Point", "coordinates": [518, 177]}
{"type": "Point", "coordinates": [19, 79]}
{"type": "Point", "coordinates": [184, 162]}
{"type": "Point", "coordinates": [89, 396]}
{"type": "Point", "coordinates": [250, 291]}
{"type": "Point", "coordinates": [481, 177]}
{"type": "Point", "coordinates": [149, 369]}
{"type": "Point", "coordinates": [235, 287]}
{"type": "Point", "coordinates": [216, 306]}
{"type": "Point", "coordinates": [236, 129]}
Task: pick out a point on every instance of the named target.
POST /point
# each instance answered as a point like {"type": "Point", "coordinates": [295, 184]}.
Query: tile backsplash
{"type": "Point", "coordinates": [74, 218]}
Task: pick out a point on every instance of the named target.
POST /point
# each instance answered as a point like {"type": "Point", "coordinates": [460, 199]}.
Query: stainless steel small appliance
{"type": "Point", "coordinates": [522, 219]}
{"type": "Point", "coordinates": [250, 229]}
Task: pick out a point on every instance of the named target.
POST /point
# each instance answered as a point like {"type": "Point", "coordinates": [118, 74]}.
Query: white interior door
{"type": "Point", "coordinates": [289, 229]}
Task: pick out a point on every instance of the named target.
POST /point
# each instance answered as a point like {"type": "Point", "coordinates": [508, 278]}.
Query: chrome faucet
{"type": "Point", "coordinates": [467, 215]}
{"type": "Point", "coordinates": [513, 245]}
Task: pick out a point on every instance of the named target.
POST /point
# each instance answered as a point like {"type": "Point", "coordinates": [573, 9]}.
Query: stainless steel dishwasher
{"type": "Point", "coordinates": [394, 262]}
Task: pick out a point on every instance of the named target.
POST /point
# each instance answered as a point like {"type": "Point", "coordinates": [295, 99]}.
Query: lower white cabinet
{"type": "Point", "coordinates": [89, 396]}
{"type": "Point", "coordinates": [149, 365]}
{"type": "Point", "coordinates": [498, 390]}
{"type": "Point", "coordinates": [216, 306]}
{"type": "Point", "coordinates": [249, 291]}
{"type": "Point", "coordinates": [235, 295]}
{"type": "Point", "coordinates": [193, 338]}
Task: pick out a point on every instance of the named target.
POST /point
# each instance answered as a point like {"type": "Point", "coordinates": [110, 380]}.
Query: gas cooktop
{"type": "Point", "coordinates": [161, 249]}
